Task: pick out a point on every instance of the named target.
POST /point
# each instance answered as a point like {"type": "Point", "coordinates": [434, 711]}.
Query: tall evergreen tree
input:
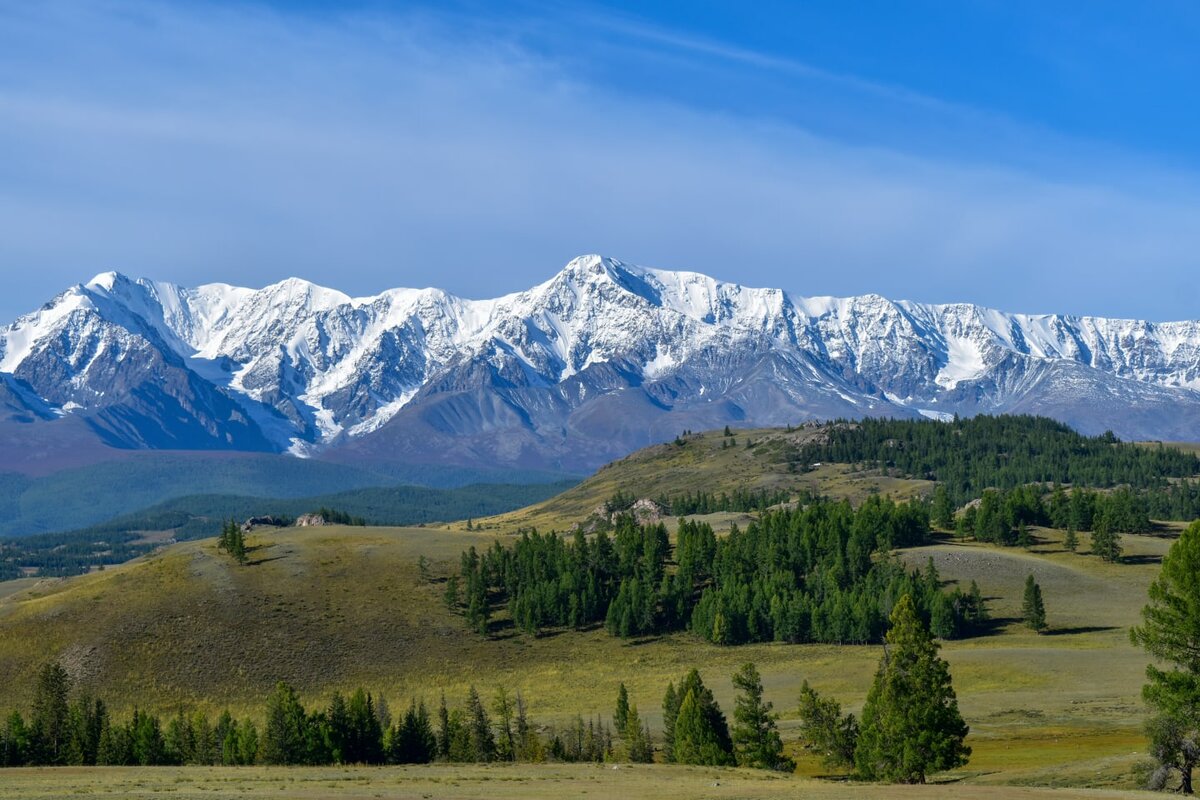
{"type": "Point", "coordinates": [942, 509]}
{"type": "Point", "coordinates": [14, 741]}
{"type": "Point", "coordinates": [48, 728]}
{"type": "Point", "coordinates": [443, 732]}
{"type": "Point", "coordinates": [639, 749]}
{"type": "Point", "coordinates": [621, 715]}
{"type": "Point", "coordinates": [695, 740]}
{"type": "Point", "coordinates": [670, 708]}
{"type": "Point", "coordinates": [483, 741]}
{"type": "Point", "coordinates": [825, 731]}
{"type": "Point", "coordinates": [365, 745]}
{"type": "Point", "coordinates": [705, 733]}
{"type": "Point", "coordinates": [1169, 632]}
{"type": "Point", "coordinates": [1033, 611]}
{"type": "Point", "coordinates": [1070, 540]}
{"type": "Point", "coordinates": [911, 725]}
{"type": "Point", "coordinates": [285, 737]}
{"type": "Point", "coordinates": [755, 735]}
{"type": "Point", "coordinates": [1105, 541]}
{"type": "Point", "coordinates": [506, 743]}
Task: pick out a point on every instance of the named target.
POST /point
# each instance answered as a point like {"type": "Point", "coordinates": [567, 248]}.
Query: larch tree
{"type": "Point", "coordinates": [824, 730]}
{"type": "Point", "coordinates": [1170, 631]}
{"type": "Point", "coordinates": [756, 739]}
{"type": "Point", "coordinates": [911, 725]}
{"type": "Point", "coordinates": [48, 724]}
{"type": "Point", "coordinates": [1033, 610]}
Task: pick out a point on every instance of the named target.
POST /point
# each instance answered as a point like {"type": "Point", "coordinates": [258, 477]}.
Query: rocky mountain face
{"type": "Point", "coordinates": [601, 359]}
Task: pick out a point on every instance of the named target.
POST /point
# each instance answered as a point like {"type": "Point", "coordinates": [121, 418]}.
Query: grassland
{"type": "Point", "coordinates": [335, 608]}
{"type": "Point", "coordinates": [702, 463]}
{"type": "Point", "coordinates": [460, 782]}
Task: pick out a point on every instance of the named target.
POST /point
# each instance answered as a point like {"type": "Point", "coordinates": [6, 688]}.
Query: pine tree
{"type": "Point", "coordinates": [695, 741]}
{"type": "Point", "coordinates": [756, 739]}
{"type": "Point", "coordinates": [1168, 632]}
{"type": "Point", "coordinates": [1033, 611]}
{"type": "Point", "coordinates": [942, 511]}
{"type": "Point", "coordinates": [483, 741]}
{"type": "Point", "coordinates": [1105, 541]}
{"type": "Point", "coordinates": [621, 715]}
{"type": "Point", "coordinates": [670, 708]}
{"type": "Point", "coordinates": [702, 738]}
{"type": "Point", "coordinates": [285, 736]}
{"type": "Point", "coordinates": [506, 744]}
{"type": "Point", "coordinates": [1024, 537]}
{"type": "Point", "coordinates": [444, 733]}
{"type": "Point", "coordinates": [824, 730]}
{"type": "Point", "coordinates": [1070, 540]}
{"type": "Point", "coordinates": [337, 722]}
{"type": "Point", "coordinates": [911, 725]}
{"type": "Point", "coordinates": [639, 748]}
{"type": "Point", "coordinates": [48, 724]}
{"type": "Point", "coordinates": [233, 541]}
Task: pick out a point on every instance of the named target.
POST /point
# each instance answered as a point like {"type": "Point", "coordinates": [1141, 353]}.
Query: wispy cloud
{"type": "Point", "coordinates": [365, 150]}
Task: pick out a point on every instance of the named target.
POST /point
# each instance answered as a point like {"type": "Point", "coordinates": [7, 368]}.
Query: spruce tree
{"type": "Point", "coordinates": [1033, 611]}
{"type": "Point", "coordinates": [1168, 632]}
{"type": "Point", "coordinates": [910, 725]}
{"type": "Point", "coordinates": [756, 739]}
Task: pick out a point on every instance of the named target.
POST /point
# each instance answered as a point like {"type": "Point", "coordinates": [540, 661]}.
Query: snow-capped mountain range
{"type": "Point", "coordinates": [601, 359]}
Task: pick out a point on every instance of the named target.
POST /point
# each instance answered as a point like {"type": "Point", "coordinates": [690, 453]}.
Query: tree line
{"type": "Point", "coordinates": [968, 456]}
{"type": "Point", "coordinates": [818, 573]}
{"type": "Point", "coordinates": [1003, 516]}
{"type": "Point", "coordinates": [909, 728]}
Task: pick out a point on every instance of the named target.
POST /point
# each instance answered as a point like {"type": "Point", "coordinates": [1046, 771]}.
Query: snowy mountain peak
{"type": "Point", "coordinates": [632, 352]}
{"type": "Point", "coordinates": [105, 281]}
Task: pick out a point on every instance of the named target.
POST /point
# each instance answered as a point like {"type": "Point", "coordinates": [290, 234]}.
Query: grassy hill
{"type": "Point", "coordinates": [188, 627]}
{"type": "Point", "coordinates": [708, 462]}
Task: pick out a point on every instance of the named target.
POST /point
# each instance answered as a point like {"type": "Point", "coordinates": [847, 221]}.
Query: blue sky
{"type": "Point", "coordinates": [1032, 156]}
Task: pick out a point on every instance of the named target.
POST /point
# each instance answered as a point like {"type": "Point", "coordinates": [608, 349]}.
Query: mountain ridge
{"type": "Point", "coordinates": [600, 359]}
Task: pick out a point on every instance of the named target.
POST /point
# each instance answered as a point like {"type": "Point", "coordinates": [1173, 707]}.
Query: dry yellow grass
{"type": "Point", "coordinates": [460, 782]}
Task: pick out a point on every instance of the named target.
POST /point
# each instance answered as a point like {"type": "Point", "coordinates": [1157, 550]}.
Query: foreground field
{"type": "Point", "coordinates": [622, 782]}
{"type": "Point", "coordinates": [335, 608]}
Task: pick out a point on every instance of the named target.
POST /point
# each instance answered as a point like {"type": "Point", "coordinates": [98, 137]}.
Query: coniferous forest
{"type": "Point", "coordinates": [819, 573]}
{"type": "Point", "coordinates": [969, 456]}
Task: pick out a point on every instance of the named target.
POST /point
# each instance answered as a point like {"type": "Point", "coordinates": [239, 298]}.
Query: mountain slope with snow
{"type": "Point", "coordinates": [601, 359]}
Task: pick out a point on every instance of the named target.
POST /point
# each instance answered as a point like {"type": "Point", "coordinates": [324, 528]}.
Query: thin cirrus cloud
{"type": "Point", "coordinates": [367, 150]}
